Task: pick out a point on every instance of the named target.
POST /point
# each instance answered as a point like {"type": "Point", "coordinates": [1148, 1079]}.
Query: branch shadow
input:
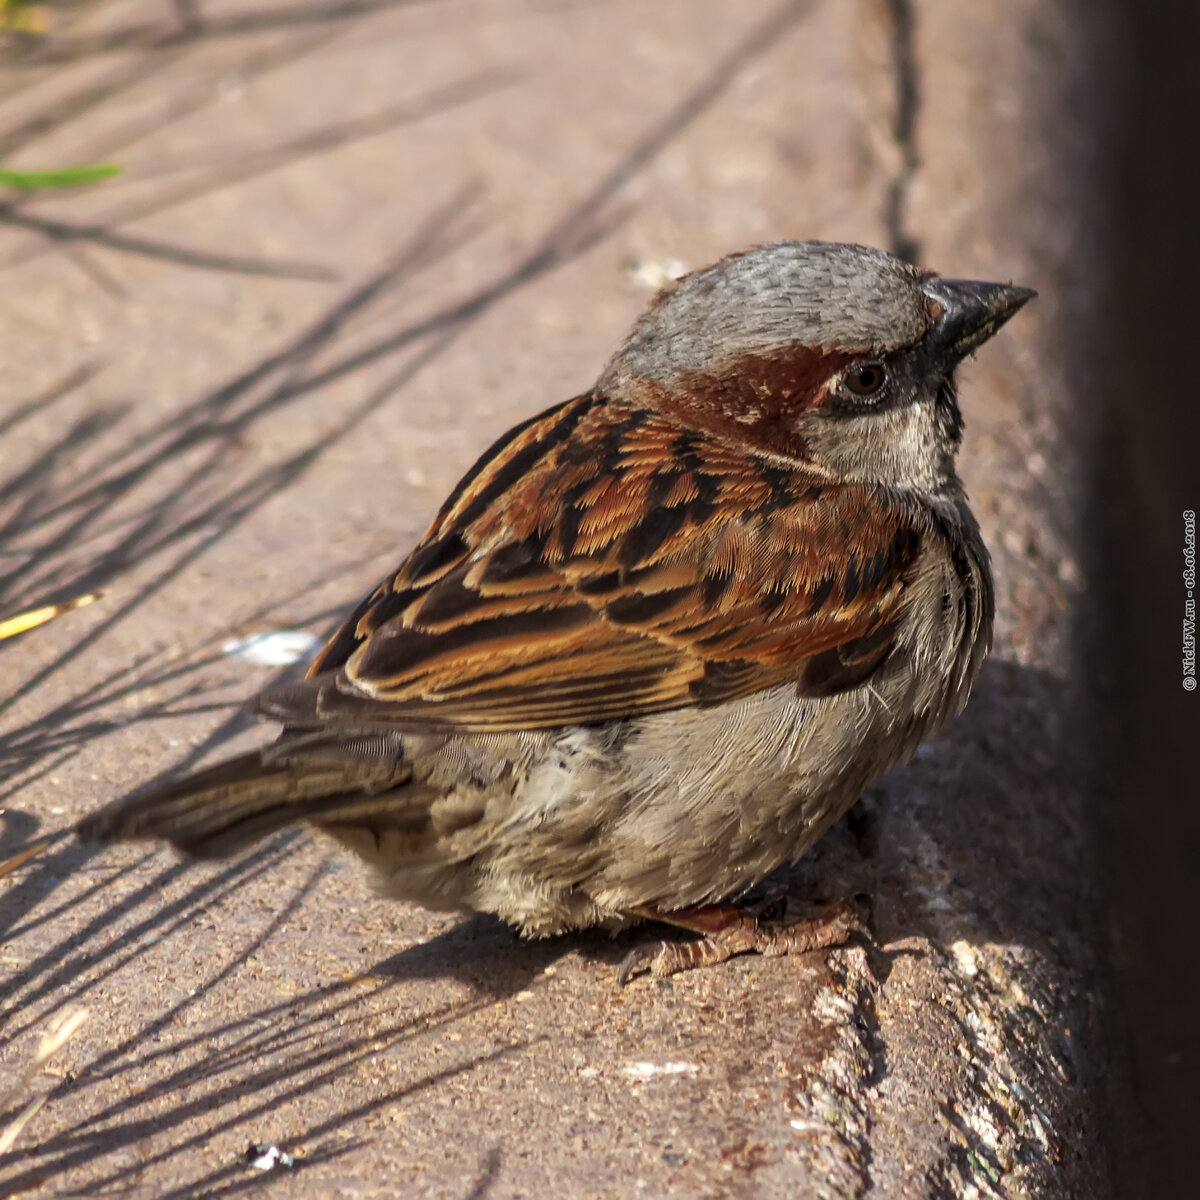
{"type": "Point", "coordinates": [267, 1055]}
{"type": "Point", "coordinates": [192, 26]}
{"type": "Point", "coordinates": [148, 55]}
{"type": "Point", "coordinates": [215, 169]}
{"type": "Point", "coordinates": [70, 527]}
{"type": "Point", "coordinates": [164, 34]}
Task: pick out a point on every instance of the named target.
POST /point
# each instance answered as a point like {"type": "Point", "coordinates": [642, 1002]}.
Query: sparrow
{"type": "Point", "coordinates": [659, 637]}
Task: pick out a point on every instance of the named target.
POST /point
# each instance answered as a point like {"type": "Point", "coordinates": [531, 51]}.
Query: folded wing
{"type": "Point", "coordinates": [600, 563]}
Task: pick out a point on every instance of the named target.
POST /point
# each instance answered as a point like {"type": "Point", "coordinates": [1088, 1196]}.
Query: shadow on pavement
{"type": "Point", "coordinates": [194, 1083]}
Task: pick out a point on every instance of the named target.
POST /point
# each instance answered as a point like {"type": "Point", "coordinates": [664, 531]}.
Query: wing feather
{"type": "Point", "coordinates": [602, 561]}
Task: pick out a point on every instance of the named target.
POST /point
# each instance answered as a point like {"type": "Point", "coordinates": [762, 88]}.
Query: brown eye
{"type": "Point", "coordinates": [866, 379]}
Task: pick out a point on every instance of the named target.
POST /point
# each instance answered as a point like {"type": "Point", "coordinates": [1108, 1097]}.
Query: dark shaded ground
{"type": "Point", "coordinates": [1146, 476]}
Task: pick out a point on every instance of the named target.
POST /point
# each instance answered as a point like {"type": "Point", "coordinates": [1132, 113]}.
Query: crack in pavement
{"type": "Point", "coordinates": [901, 241]}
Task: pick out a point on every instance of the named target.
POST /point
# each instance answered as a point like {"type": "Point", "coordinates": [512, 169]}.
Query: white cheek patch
{"type": "Point", "coordinates": [902, 446]}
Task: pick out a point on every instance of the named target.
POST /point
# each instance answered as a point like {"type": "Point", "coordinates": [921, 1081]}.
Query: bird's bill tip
{"type": "Point", "coordinates": [967, 312]}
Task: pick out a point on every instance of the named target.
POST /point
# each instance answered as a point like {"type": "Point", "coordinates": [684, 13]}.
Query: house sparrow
{"type": "Point", "coordinates": [659, 637]}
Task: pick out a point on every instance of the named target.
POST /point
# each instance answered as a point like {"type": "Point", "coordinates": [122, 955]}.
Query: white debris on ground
{"type": "Point", "coordinates": [264, 1156]}
{"type": "Point", "coordinates": [655, 273]}
{"type": "Point", "coordinates": [647, 1070]}
{"type": "Point", "coordinates": [277, 648]}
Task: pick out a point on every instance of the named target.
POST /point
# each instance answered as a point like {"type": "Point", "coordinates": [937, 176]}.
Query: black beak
{"type": "Point", "coordinates": [967, 313]}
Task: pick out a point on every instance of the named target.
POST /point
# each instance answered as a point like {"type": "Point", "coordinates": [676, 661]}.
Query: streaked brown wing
{"type": "Point", "coordinates": [601, 562]}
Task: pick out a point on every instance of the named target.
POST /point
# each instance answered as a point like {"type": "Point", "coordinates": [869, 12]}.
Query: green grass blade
{"type": "Point", "coordinates": [65, 177]}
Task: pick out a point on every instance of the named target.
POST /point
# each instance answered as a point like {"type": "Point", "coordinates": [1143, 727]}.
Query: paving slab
{"type": "Point", "coordinates": [351, 245]}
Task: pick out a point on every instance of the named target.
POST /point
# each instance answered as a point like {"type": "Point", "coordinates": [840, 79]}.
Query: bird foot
{"type": "Point", "coordinates": [729, 931]}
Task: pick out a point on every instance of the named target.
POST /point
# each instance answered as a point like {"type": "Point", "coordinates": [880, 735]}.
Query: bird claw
{"type": "Point", "coordinates": [638, 959]}
{"type": "Point", "coordinates": [832, 926]}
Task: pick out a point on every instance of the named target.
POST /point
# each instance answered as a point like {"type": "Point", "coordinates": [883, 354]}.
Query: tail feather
{"type": "Point", "coordinates": [218, 811]}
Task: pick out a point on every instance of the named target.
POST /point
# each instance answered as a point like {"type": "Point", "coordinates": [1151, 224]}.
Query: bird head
{"type": "Point", "coordinates": [840, 356]}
